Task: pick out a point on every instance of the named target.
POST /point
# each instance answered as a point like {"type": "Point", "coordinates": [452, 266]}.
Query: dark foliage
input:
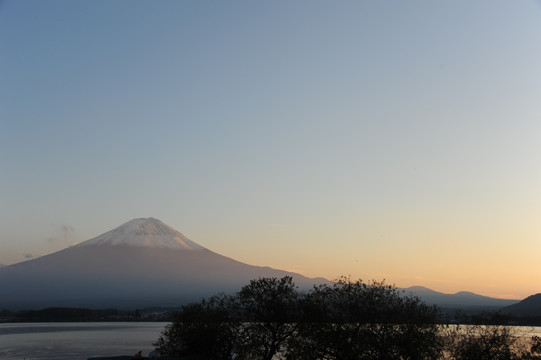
{"type": "Point", "coordinates": [202, 330]}
{"type": "Point", "coordinates": [268, 317]}
{"type": "Point", "coordinates": [63, 314]}
{"type": "Point", "coordinates": [268, 310]}
{"type": "Point", "coordinates": [354, 320]}
{"type": "Point", "coordinates": [66, 314]}
{"type": "Point", "coordinates": [488, 336]}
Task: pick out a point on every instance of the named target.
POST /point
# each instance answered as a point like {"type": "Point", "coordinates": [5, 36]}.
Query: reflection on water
{"type": "Point", "coordinates": [74, 341]}
{"type": "Point", "coordinates": [523, 331]}
{"type": "Point", "coordinates": [80, 341]}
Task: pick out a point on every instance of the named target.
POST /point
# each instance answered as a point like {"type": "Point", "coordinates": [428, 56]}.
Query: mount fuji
{"type": "Point", "coordinates": [143, 262]}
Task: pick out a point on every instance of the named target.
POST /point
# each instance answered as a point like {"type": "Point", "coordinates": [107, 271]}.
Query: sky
{"type": "Point", "coordinates": [386, 140]}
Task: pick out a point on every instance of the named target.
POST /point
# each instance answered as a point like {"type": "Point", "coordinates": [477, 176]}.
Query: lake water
{"type": "Point", "coordinates": [80, 341]}
{"type": "Point", "coordinates": [76, 341]}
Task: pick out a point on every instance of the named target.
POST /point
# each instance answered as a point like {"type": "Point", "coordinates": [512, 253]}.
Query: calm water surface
{"type": "Point", "coordinates": [76, 341]}
{"type": "Point", "coordinates": [80, 341]}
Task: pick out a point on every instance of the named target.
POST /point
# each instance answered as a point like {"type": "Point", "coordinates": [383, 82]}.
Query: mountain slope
{"type": "Point", "coordinates": [531, 306]}
{"type": "Point", "coordinates": [147, 233]}
{"type": "Point", "coordinates": [141, 263]}
{"type": "Point", "coordinates": [462, 300]}
{"type": "Point", "coordinates": [145, 262]}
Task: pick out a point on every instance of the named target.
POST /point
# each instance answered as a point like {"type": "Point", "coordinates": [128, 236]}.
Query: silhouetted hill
{"type": "Point", "coordinates": [144, 263]}
{"type": "Point", "coordinates": [461, 300]}
{"type": "Point", "coordinates": [530, 307]}
{"type": "Point", "coordinates": [141, 263]}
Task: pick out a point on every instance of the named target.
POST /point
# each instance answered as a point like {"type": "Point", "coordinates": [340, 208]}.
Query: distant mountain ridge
{"type": "Point", "coordinates": [531, 306]}
{"type": "Point", "coordinates": [145, 262]}
{"type": "Point", "coordinates": [138, 264]}
{"type": "Point", "coordinates": [462, 299]}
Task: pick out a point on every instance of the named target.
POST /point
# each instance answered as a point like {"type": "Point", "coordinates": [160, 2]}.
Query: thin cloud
{"type": "Point", "coordinates": [65, 231]}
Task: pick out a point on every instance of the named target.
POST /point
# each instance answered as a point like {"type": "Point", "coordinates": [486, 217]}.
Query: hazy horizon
{"type": "Point", "coordinates": [381, 140]}
{"type": "Point", "coordinates": [133, 235]}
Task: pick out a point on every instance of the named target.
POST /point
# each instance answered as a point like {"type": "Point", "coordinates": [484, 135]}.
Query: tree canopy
{"type": "Point", "coordinates": [270, 318]}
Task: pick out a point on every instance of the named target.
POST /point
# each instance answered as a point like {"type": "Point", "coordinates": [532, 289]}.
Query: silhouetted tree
{"type": "Point", "coordinates": [487, 336]}
{"type": "Point", "coordinates": [535, 348]}
{"type": "Point", "coordinates": [269, 318]}
{"type": "Point", "coordinates": [255, 323]}
{"type": "Point", "coordinates": [202, 330]}
{"type": "Point", "coordinates": [354, 320]}
{"type": "Point", "coordinates": [268, 308]}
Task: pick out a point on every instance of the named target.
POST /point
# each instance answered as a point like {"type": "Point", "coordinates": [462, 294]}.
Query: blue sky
{"type": "Point", "coordinates": [395, 140]}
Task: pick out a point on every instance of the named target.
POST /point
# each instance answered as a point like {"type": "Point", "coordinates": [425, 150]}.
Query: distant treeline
{"type": "Point", "coordinates": [495, 318]}
{"type": "Point", "coordinates": [66, 314]}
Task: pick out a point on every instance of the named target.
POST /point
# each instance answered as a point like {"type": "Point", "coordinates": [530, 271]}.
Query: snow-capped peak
{"type": "Point", "coordinates": [146, 232]}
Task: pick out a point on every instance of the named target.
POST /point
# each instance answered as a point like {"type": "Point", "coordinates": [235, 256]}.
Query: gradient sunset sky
{"type": "Point", "coordinates": [396, 140]}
